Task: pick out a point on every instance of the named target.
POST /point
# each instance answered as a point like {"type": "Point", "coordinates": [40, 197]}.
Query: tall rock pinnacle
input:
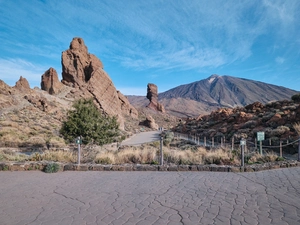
{"type": "Point", "coordinates": [83, 70]}
{"type": "Point", "coordinates": [152, 95]}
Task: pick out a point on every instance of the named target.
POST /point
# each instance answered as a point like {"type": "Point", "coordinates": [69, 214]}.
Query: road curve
{"type": "Point", "coordinates": [141, 138]}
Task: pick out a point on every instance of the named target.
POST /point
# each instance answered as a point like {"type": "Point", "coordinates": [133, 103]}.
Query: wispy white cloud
{"type": "Point", "coordinates": [133, 91]}
{"type": "Point", "coordinates": [279, 60]}
{"type": "Point", "coordinates": [147, 35]}
{"type": "Point", "coordinates": [12, 69]}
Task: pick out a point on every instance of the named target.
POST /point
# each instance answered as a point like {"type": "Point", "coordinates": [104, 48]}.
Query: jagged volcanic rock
{"type": "Point", "coordinates": [22, 84]}
{"type": "Point", "coordinates": [50, 82]}
{"type": "Point", "coordinates": [152, 95]}
{"type": "Point", "coordinates": [84, 71]}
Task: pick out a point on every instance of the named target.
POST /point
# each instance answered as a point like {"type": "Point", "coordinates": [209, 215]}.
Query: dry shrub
{"type": "Point", "coordinates": [218, 156]}
{"type": "Point", "coordinates": [279, 131]}
{"type": "Point", "coordinates": [184, 156]}
{"type": "Point", "coordinates": [258, 158]}
{"type": "Point", "coordinates": [297, 128]}
{"type": "Point", "coordinates": [135, 156]}
{"type": "Point", "coordinates": [12, 156]}
{"type": "Point", "coordinates": [56, 142]}
{"type": "Point", "coordinates": [57, 156]}
{"type": "Point", "coordinates": [105, 158]}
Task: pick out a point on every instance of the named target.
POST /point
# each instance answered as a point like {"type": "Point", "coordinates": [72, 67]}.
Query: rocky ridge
{"type": "Point", "coordinates": [32, 118]}
{"type": "Point", "coordinates": [276, 119]}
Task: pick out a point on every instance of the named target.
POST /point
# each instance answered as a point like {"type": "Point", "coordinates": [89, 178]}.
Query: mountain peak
{"type": "Point", "coordinates": [212, 78]}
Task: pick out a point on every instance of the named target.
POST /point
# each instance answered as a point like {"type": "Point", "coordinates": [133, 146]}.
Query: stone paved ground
{"type": "Point", "coordinates": [83, 198]}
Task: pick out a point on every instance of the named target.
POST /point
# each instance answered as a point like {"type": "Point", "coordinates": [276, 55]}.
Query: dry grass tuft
{"type": "Point", "coordinates": [297, 128]}
{"type": "Point", "coordinates": [257, 158]}
{"type": "Point", "coordinates": [12, 156]}
{"type": "Point", "coordinates": [56, 156]}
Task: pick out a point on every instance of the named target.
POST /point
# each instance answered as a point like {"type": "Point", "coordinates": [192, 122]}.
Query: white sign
{"type": "Point", "coordinates": [260, 136]}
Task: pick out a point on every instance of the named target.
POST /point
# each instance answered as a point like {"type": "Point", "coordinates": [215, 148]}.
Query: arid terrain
{"type": "Point", "coordinates": [32, 118]}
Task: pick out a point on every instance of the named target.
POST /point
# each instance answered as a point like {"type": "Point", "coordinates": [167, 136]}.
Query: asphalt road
{"type": "Point", "coordinates": [141, 138]}
{"type": "Point", "coordinates": [86, 198]}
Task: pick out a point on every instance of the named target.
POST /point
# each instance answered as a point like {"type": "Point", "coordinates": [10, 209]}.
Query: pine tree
{"type": "Point", "coordinates": [86, 121]}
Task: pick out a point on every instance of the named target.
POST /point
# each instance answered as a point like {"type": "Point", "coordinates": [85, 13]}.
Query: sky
{"type": "Point", "coordinates": [165, 42]}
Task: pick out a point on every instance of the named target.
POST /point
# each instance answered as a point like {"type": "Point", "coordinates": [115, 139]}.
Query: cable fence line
{"type": "Point", "coordinates": [274, 146]}
{"type": "Point", "coordinates": [290, 146]}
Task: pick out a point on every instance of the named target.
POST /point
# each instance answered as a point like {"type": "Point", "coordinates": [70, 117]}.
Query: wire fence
{"type": "Point", "coordinates": [282, 147]}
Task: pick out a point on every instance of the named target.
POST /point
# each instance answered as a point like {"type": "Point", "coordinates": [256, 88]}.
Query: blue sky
{"type": "Point", "coordinates": [165, 42]}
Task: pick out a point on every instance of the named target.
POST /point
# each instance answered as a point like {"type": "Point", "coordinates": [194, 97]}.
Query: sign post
{"type": "Point", "coordinates": [260, 138]}
{"type": "Point", "coordinates": [161, 152]}
{"type": "Point", "coordinates": [243, 144]}
{"type": "Point", "coordinates": [78, 142]}
{"type": "Point", "coordinates": [299, 149]}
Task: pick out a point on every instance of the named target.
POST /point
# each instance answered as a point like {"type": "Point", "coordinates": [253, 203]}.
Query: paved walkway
{"type": "Point", "coordinates": [143, 137]}
{"type": "Point", "coordinates": [83, 198]}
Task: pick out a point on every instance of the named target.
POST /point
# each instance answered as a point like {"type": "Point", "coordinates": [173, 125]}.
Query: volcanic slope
{"type": "Point", "coordinates": [204, 96]}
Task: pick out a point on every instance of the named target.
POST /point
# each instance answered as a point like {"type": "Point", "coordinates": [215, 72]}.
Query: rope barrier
{"type": "Point", "coordinates": [265, 146]}
{"type": "Point", "coordinates": [209, 143]}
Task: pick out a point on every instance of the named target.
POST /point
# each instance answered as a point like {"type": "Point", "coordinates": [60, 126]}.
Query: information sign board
{"type": "Point", "coordinates": [260, 136]}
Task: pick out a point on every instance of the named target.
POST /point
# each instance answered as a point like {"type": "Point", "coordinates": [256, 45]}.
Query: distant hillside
{"type": "Point", "coordinates": [201, 97]}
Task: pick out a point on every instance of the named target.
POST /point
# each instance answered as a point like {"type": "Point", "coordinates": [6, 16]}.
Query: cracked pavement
{"type": "Point", "coordinates": [117, 198]}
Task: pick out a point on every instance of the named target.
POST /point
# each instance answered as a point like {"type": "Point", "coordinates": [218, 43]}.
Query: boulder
{"type": "Point", "coordinates": [50, 82]}
{"type": "Point", "coordinates": [150, 122]}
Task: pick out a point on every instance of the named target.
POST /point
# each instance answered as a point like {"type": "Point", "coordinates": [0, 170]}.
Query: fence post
{"type": "Point", "coordinates": [204, 141]}
{"type": "Point", "coordinates": [260, 147]}
{"type": "Point", "coordinates": [161, 152]}
{"type": "Point", "coordinates": [232, 143]}
{"type": "Point", "coordinates": [280, 148]}
{"type": "Point", "coordinates": [270, 141]}
{"type": "Point", "coordinates": [212, 141]}
{"type": "Point", "coordinates": [243, 143]}
{"type": "Point", "coordinates": [221, 142]}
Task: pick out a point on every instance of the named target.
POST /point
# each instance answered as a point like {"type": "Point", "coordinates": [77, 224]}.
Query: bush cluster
{"type": "Point", "coordinates": [87, 121]}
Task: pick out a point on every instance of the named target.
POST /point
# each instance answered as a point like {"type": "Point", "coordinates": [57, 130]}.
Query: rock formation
{"type": "Point", "coordinates": [152, 95]}
{"type": "Point", "coordinates": [50, 82]}
{"type": "Point", "coordinates": [276, 119]}
{"type": "Point", "coordinates": [84, 71]}
{"type": "Point", "coordinates": [22, 85]}
{"type": "Point", "coordinates": [150, 122]}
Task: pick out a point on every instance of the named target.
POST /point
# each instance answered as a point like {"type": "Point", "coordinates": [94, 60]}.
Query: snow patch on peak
{"type": "Point", "coordinates": [212, 78]}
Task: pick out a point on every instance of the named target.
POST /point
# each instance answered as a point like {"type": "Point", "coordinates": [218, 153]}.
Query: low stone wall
{"type": "Point", "coordinates": [28, 166]}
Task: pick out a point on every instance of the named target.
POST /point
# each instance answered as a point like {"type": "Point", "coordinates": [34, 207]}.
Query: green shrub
{"type": "Point", "coordinates": [296, 97]}
{"type": "Point", "coordinates": [280, 158]}
{"type": "Point", "coordinates": [52, 168]}
{"type": "Point", "coordinates": [87, 121]}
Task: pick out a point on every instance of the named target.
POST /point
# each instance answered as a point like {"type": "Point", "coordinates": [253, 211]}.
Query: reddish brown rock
{"type": "Point", "coordinates": [22, 85]}
{"type": "Point", "coordinates": [38, 102]}
{"type": "Point", "coordinates": [255, 106]}
{"type": "Point", "coordinates": [50, 82]}
{"type": "Point", "coordinates": [126, 107]}
{"type": "Point", "coordinates": [152, 95]}
{"type": "Point", "coordinates": [150, 122]}
{"type": "Point", "coordinates": [84, 71]}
